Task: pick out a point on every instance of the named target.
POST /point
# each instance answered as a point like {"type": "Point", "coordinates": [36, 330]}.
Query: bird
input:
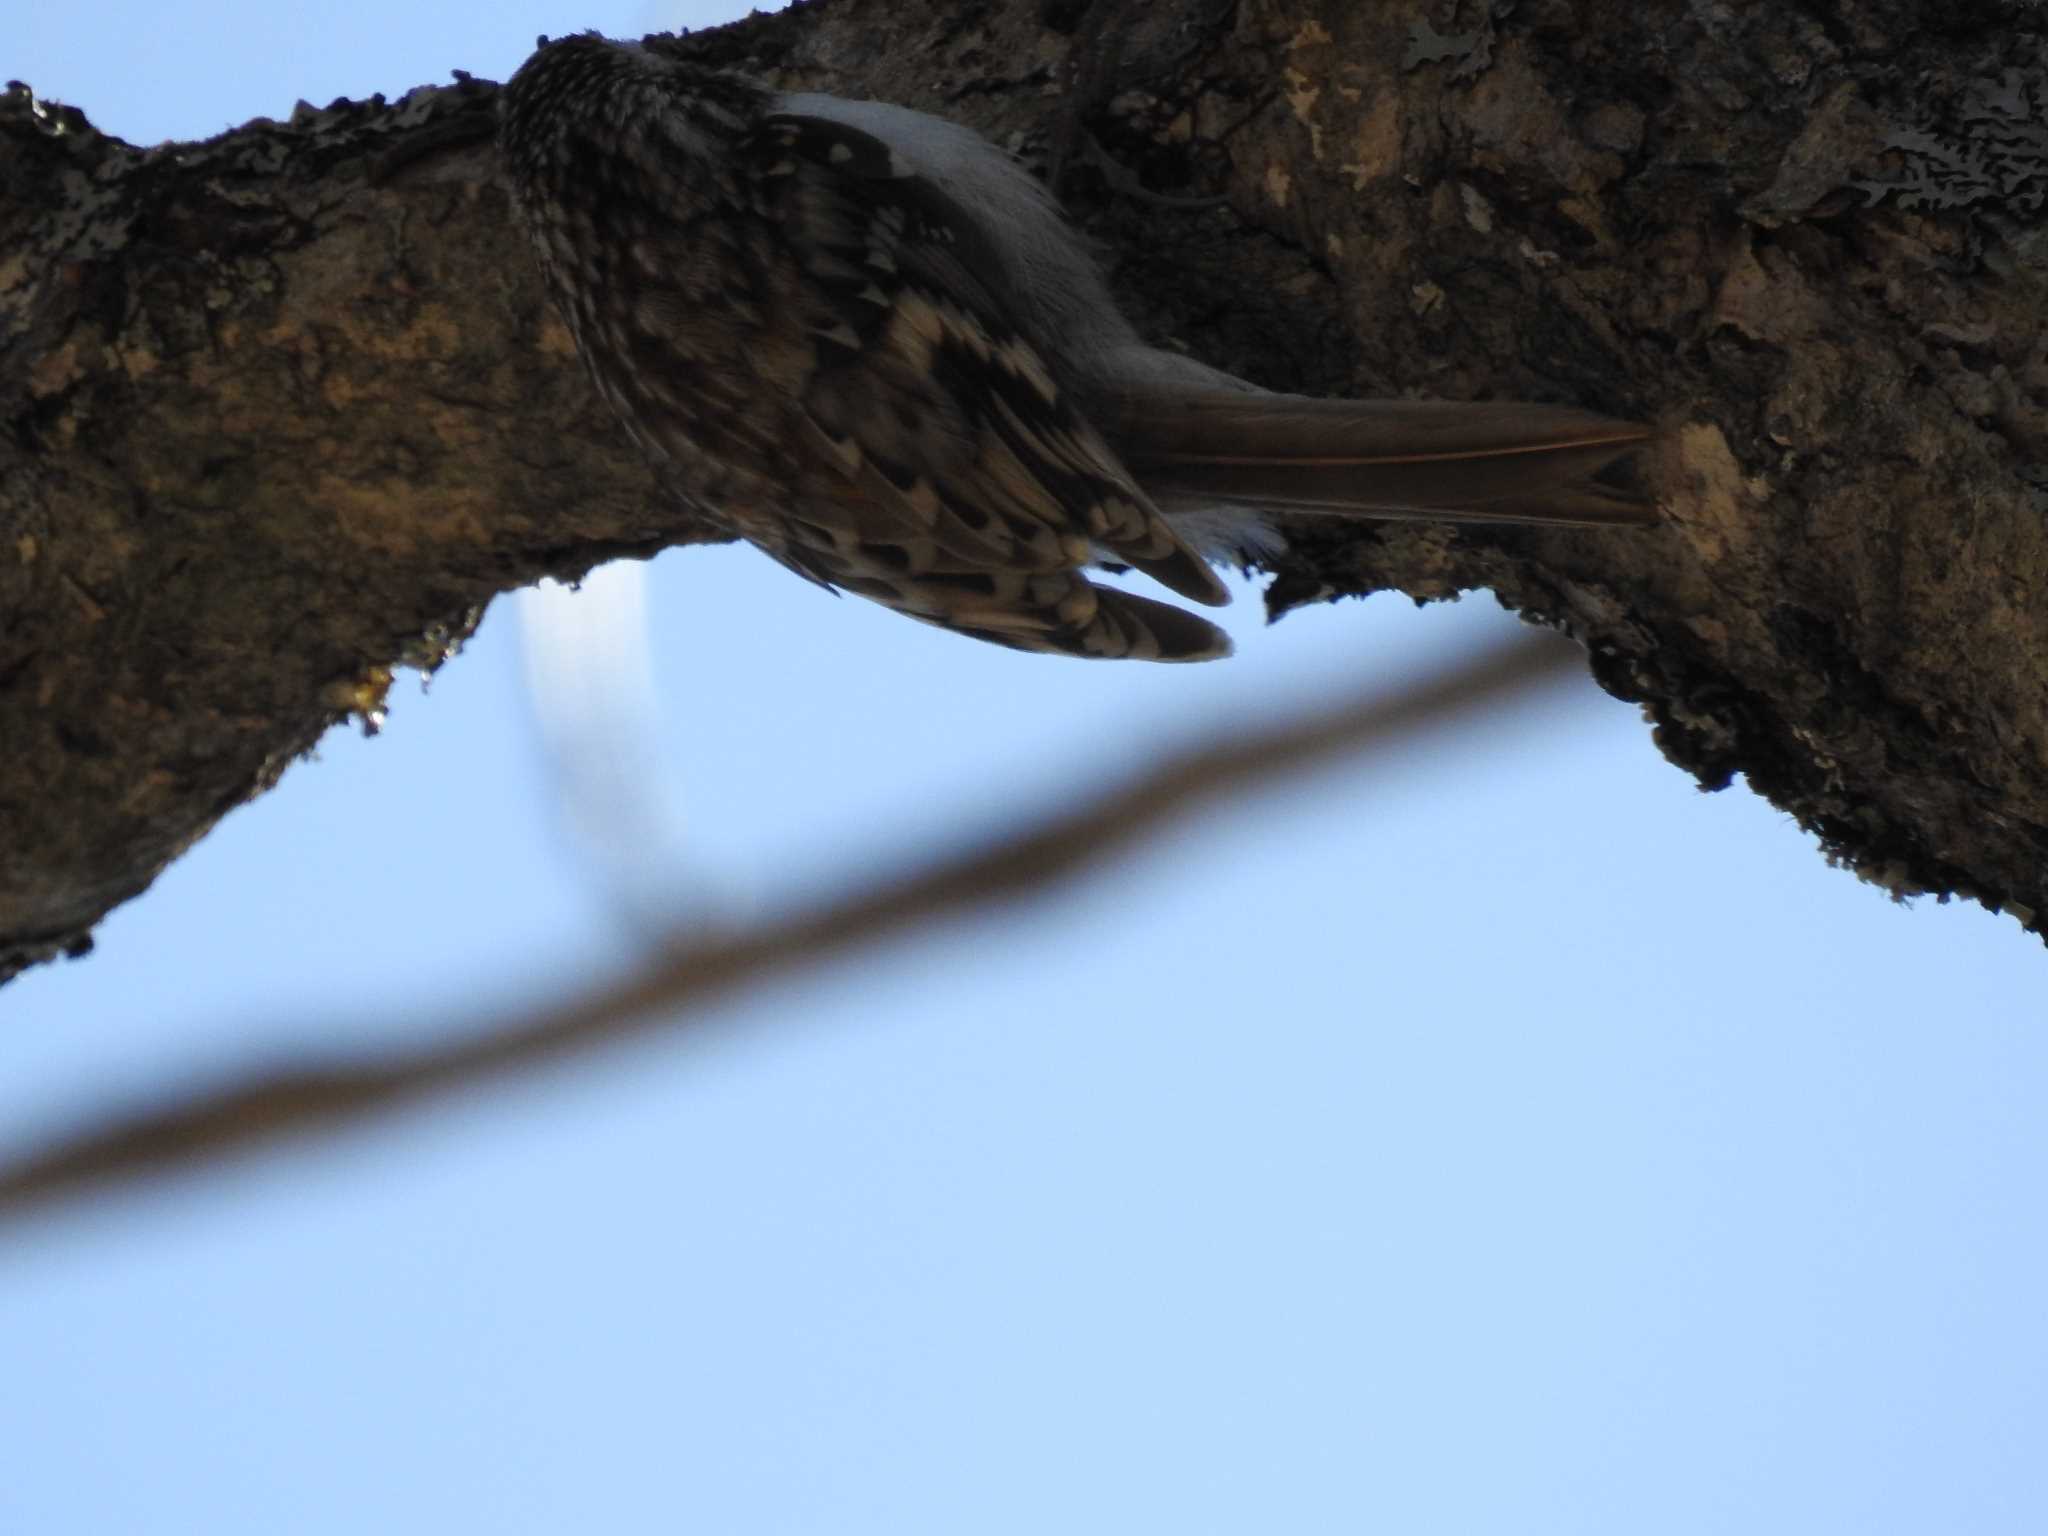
{"type": "Point", "coordinates": [868, 341]}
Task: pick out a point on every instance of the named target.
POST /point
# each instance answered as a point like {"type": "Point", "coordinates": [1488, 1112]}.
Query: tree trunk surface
{"type": "Point", "coordinates": [285, 409]}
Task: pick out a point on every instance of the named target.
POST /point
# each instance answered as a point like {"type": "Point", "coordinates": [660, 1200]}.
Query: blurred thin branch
{"type": "Point", "coordinates": [673, 993]}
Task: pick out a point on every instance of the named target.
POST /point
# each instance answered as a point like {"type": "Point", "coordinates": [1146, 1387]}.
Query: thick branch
{"type": "Point", "coordinates": [283, 409]}
{"type": "Point", "coordinates": [274, 427]}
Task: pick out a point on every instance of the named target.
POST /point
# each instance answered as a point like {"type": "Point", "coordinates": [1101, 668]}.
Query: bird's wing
{"type": "Point", "coordinates": [962, 484]}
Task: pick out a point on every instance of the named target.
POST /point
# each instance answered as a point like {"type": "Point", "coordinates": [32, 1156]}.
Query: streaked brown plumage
{"type": "Point", "coordinates": [866, 341]}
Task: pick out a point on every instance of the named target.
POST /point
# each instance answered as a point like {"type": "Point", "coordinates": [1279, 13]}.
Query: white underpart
{"type": "Point", "coordinates": [1224, 534]}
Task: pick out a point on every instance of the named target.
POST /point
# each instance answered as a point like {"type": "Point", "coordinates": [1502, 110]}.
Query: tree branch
{"type": "Point", "coordinates": [673, 994]}
{"type": "Point", "coordinates": [282, 410]}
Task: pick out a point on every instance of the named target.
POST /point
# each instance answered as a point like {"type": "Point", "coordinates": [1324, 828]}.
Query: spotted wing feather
{"type": "Point", "coordinates": [956, 480]}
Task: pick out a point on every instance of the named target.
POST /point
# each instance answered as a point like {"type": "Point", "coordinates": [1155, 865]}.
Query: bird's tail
{"type": "Point", "coordinates": [1193, 445]}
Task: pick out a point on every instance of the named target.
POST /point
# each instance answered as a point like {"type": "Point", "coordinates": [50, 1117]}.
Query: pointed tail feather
{"type": "Point", "coordinates": [1492, 462]}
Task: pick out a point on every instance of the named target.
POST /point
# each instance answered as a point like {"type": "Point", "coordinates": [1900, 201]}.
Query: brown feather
{"type": "Point", "coordinates": [1491, 462]}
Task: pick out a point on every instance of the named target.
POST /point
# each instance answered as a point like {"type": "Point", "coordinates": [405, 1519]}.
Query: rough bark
{"type": "Point", "coordinates": [283, 410]}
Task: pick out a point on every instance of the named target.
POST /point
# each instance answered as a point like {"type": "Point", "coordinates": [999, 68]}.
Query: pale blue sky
{"type": "Point", "coordinates": [1507, 1139]}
